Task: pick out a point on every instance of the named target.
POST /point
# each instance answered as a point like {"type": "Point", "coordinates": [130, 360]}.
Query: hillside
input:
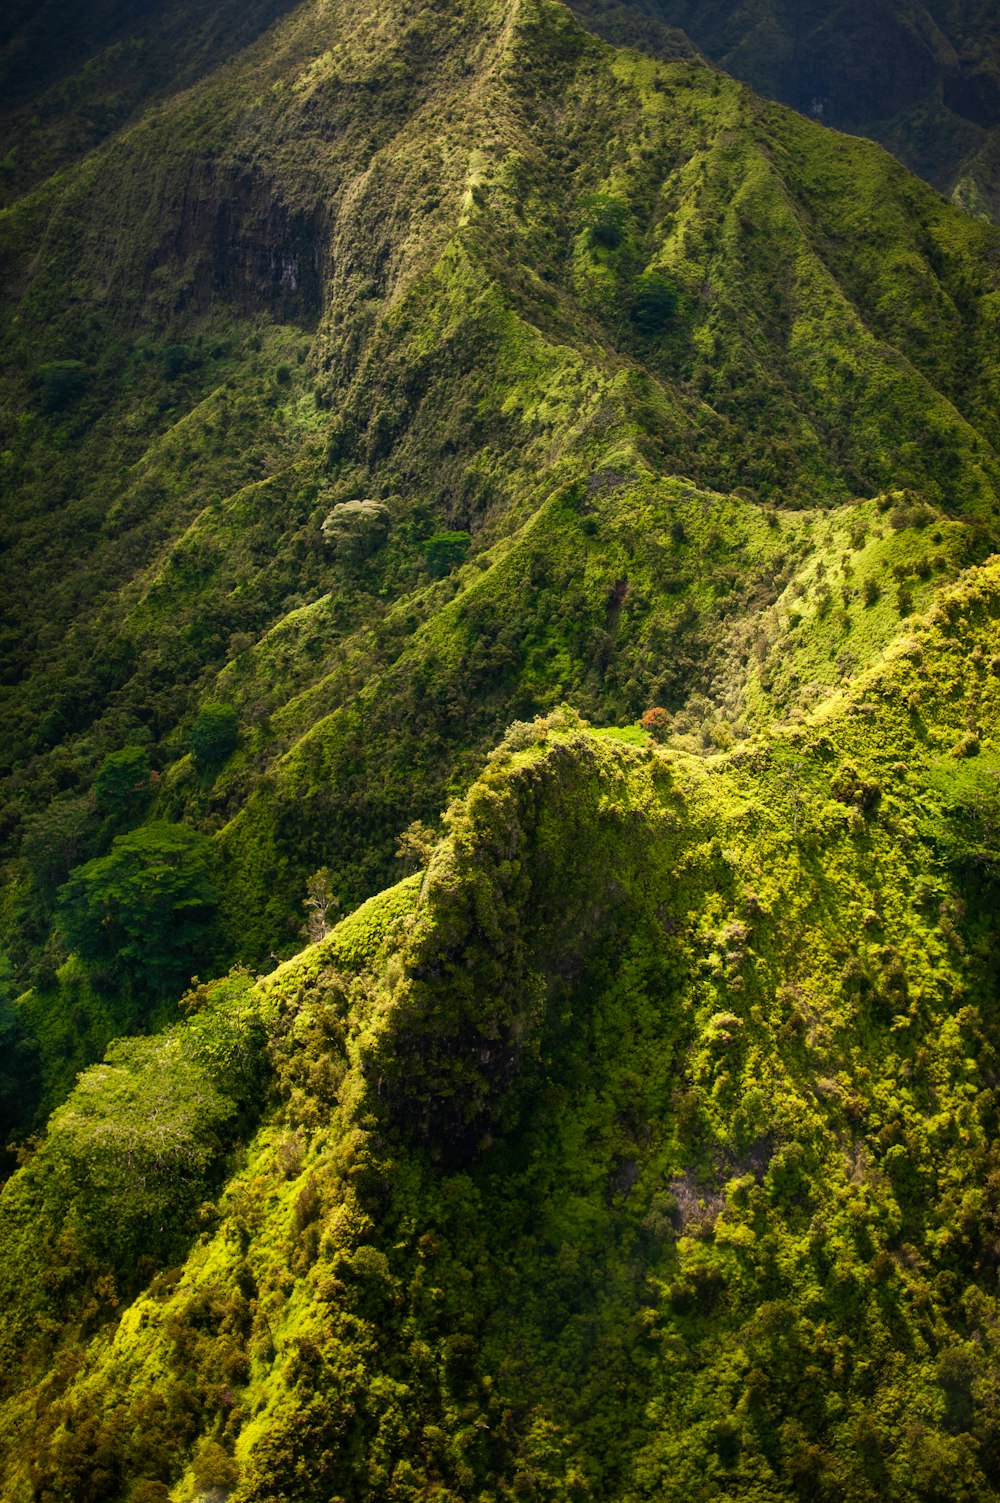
{"type": "Point", "coordinates": [544, 357]}
{"type": "Point", "coordinates": [924, 80]}
{"type": "Point", "coordinates": [398, 406]}
{"type": "Point", "coordinates": [645, 1144]}
{"type": "Point", "coordinates": [70, 77]}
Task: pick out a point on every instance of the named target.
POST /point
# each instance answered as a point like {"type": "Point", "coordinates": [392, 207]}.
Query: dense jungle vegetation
{"type": "Point", "coordinates": [500, 808]}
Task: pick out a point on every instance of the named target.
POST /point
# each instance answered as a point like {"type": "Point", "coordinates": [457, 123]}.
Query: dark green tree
{"type": "Point", "coordinates": [18, 1059]}
{"type": "Point", "coordinates": [214, 735]}
{"type": "Point", "coordinates": [56, 839]}
{"type": "Point", "coordinates": [176, 359]}
{"type": "Point", "coordinates": [146, 907]}
{"type": "Point", "coordinates": [605, 218]}
{"type": "Point", "coordinates": [654, 305]}
{"type": "Point", "coordinates": [445, 551]}
{"type": "Point", "coordinates": [60, 382]}
{"type": "Point", "coordinates": [124, 782]}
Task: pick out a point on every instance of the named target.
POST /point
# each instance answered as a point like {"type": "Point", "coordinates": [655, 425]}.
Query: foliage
{"type": "Point", "coordinates": [132, 1147]}
{"type": "Point", "coordinates": [123, 784]}
{"type": "Point", "coordinates": [55, 839]}
{"type": "Point", "coordinates": [640, 1143]}
{"type": "Point", "coordinates": [147, 906]}
{"type": "Point", "coordinates": [60, 382]}
{"type": "Point", "coordinates": [470, 381]}
{"type": "Point", "coordinates": [214, 734]}
{"type": "Point", "coordinates": [966, 825]}
{"type": "Point", "coordinates": [445, 551]}
{"type": "Point", "coordinates": [922, 93]}
{"type": "Point", "coordinates": [18, 1059]}
{"type": "Point", "coordinates": [320, 903]}
{"type": "Point", "coordinates": [656, 722]}
{"type": "Point", "coordinates": [356, 528]}
{"type": "Point", "coordinates": [630, 1072]}
{"type": "Point", "coordinates": [654, 303]}
{"type": "Point", "coordinates": [415, 845]}
{"type": "Point", "coordinates": [605, 218]}
{"type": "Point", "coordinates": [122, 1176]}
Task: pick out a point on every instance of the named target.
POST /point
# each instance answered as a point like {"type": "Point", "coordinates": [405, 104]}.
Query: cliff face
{"type": "Point", "coordinates": [922, 79]}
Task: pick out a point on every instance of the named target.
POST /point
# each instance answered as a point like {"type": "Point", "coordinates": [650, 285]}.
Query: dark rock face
{"type": "Point", "coordinates": [975, 94]}
{"type": "Point", "coordinates": [243, 245]}
{"type": "Point", "coordinates": [865, 63]}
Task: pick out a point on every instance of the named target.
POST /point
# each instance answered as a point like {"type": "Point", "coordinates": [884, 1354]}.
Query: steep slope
{"type": "Point", "coordinates": [643, 1147]}
{"type": "Point", "coordinates": [922, 79]}
{"type": "Point", "coordinates": [363, 399]}
{"type": "Point", "coordinates": [72, 76]}
{"type": "Point", "coordinates": [540, 302]}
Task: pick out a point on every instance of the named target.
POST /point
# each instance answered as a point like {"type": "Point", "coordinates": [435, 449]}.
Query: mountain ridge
{"type": "Point", "coordinates": [921, 79]}
{"type": "Point", "coordinates": [536, 503]}
{"type": "Point", "coordinates": [741, 387]}
{"type": "Point", "coordinates": [398, 1124]}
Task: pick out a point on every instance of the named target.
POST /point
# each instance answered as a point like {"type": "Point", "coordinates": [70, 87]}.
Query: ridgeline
{"type": "Point", "coordinates": [535, 501]}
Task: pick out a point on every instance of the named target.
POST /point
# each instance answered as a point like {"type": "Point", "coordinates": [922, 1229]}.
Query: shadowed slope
{"type": "Point", "coordinates": [924, 79]}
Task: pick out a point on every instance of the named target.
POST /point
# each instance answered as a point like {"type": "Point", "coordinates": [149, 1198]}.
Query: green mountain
{"type": "Point", "coordinates": [416, 410]}
{"type": "Point", "coordinates": [71, 77]}
{"type": "Point", "coordinates": [643, 1146]}
{"type": "Point", "coordinates": [922, 79]}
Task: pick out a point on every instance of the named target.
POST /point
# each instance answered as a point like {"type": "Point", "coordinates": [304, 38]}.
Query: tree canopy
{"type": "Point", "coordinates": [214, 734]}
{"type": "Point", "coordinates": [123, 782]}
{"type": "Point", "coordinates": [146, 906]}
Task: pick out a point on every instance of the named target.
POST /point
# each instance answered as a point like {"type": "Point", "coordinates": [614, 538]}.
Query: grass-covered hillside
{"type": "Point", "coordinates": [518, 514]}
{"type": "Point", "coordinates": [924, 79]}
{"type": "Point", "coordinates": [641, 1147]}
{"type": "Point", "coordinates": [407, 375]}
{"type": "Point", "coordinates": [73, 75]}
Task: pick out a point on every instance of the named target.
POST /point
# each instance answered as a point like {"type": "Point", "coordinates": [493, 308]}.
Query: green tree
{"type": "Point", "coordinates": [355, 529]}
{"type": "Point", "coordinates": [445, 551]}
{"type": "Point", "coordinates": [56, 839]}
{"type": "Point", "coordinates": [133, 1150]}
{"type": "Point", "coordinates": [966, 826]}
{"type": "Point", "coordinates": [18, 1057]}
{"type": "Point", "coordinates": [655, 303]}
{"type": "Point", "coordinates": [320, 903]}
{"type": "Point", "coordinates": [123, 783]}
{"type": "Point", "coordinates": [176, 359]}
{"type": "Point", "coordinates": [60, 382]}
{"type": "Point", "coordinates": [146, 906]}
{"type": "Point", "coordinates": [604, 218]}
{"type": "Point", "coordinates": [415, 846]}
{"type": "Point", "coordinates": [214, 735]}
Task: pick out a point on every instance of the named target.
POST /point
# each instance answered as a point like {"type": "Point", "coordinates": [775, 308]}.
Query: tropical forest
{"type": "Point", "coordinates": [500, 751]}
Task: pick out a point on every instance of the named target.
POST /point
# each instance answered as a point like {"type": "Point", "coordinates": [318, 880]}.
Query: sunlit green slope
{"type": "Point", "coordinates": [921, 78]}
{"type": "Point", "coordinates": [631, 330]}
{"type": "Point", "coordinates": [413, 385]}
{"type": "Point", "coordinates": [643, 1147]}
